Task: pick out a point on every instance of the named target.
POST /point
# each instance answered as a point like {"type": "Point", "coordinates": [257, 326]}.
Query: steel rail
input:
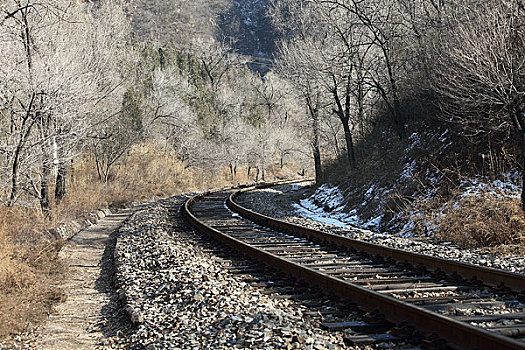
{"type": "Point", "coordinates": [458, 333]}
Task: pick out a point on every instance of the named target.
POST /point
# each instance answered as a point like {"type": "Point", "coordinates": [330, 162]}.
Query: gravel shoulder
{"type": "Point", "coordinates": [278, 202]}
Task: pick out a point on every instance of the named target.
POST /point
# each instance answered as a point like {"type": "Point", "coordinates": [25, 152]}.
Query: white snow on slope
{"type": "Point", "coordinates": [332, 199]}
{"type": "Point", "coordinates": [317, 215]}
{"type": "Point", "coordinates": [327, 204]}
{"type": "Point", "coordinates": [508, 187]}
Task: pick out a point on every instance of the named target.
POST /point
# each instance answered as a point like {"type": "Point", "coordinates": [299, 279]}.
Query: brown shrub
{"type": "Point", "coordinates": [486, 220]}
{"type": "Point", "coordinates": [26, 270]}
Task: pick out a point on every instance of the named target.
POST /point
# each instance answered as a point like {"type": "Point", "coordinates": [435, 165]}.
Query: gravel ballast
{"type": "Point", "coordinates": [180, 296]}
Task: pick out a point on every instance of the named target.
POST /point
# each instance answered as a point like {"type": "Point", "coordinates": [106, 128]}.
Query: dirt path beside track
{"type": "Point", "coordinates": [79, 322]}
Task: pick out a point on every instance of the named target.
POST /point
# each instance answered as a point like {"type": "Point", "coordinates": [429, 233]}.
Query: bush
{"type": "Point", "coordinates": [486, 220]}
{"type": "Point", "coordinates": [27, 267]}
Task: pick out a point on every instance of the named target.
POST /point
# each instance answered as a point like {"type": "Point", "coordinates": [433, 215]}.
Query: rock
{"type": "Point", "coordinates": [134, 316]}
{"type": "Point", "coordinates": [297, 339]}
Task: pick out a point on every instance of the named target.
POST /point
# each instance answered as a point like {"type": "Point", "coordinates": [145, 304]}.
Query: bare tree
{"type": "Point", "coordinates": [481, 72]}
{"type": "Point", "coordinates": [337, 53]}
{"type": "Point", "coordinates": [294, 65]}
{"type": "Point", "coordinates": [385, 25]}
{"type": "Point", "coordinates": [53, 93]}
{"type": "Point", "coordinates": [216, 61]}
{"type": "Point", "coordinates": [296, 62]}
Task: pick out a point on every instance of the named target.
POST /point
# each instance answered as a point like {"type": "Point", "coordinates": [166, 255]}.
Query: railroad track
{"type": "Point", "coordinates": [471, 307]}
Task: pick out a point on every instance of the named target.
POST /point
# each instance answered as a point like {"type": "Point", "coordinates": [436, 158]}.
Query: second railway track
{"type": "Point", "coordinates": [405, 287]}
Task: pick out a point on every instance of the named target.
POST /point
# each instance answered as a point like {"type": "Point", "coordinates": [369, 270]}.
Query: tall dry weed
{"type": "Point", "coordinates": [26, 294]}
{"type": "Point", "coordinates": [481, 221]}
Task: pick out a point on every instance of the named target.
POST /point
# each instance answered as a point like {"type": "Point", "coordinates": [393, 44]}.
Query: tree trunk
{"type": "Point", "coordinates": [522, 141]}
{"type": "Point", "coordinates": [15, 172]}
{"type": "Point", "coordinates": [317, 164]}
{"type": "Point", "coordinates": [349, 144]}
{"type": "Point", "coordinates": [360, 102]}
{"type": "Point", "coordinates": [45, 125]}
{"type": "Point", "coordinates": [518, 119]}
{"type": "Point", "coordinates": [249, 170]}
{"type": "Point", "coordinates": [99, 167]}
{"type": "Point", "coordinates": [522, 132]}
{"type": "Point", "coordinates": [61, 183]}
{"type": "Point", "coordinates": [106, 173]}
{"type": "Point", "coordinates": [315, 141]}
{"type": "Point", "coordinates": [316, 151]}
{"type": "Point", "coordinates": [399, 121]}
{"type": "Point", "coordinates": [44, 186]}
{"type": "Point", "coordinates": [24, 135]}
{"type": "Point", "coordinates": [14, 178]}
{"type": "Point", "coordinates": [72, 173]}
{"type": "Point", "coordinates": [257, 175]}
{"type": "Point", "coordinates": [344, 116]}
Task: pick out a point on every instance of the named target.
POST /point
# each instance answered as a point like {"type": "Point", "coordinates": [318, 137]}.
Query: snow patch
{"type": "Point", "coordinates": [368, 193]}
{"type": "Point", "coordinates": [317, 215]}
{"type": "Point", "coordinates": [414, 140]}
{"type": "Point", "coordinates": [409, 170]}
{"type": "Point", "coordinates": [327, 205]}
{"type": "Point", "coordinates": [373, 223]}
{"type": "Point", "coordinates": [271, 190]}
{"type": "Point", "coordinates": [508, 187]}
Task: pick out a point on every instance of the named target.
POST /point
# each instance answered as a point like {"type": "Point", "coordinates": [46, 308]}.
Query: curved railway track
{"type": "Point", "coordinates": [407, 288]}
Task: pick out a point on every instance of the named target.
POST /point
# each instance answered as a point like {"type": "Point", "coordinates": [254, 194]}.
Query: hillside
{"type": "Point", "coordinates": [242, 25]}
{"type": "Point", "coordinates": [437, 184]}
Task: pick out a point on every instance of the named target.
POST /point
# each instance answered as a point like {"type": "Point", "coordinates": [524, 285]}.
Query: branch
{"type": "Point", "coordinates": [12, 14]}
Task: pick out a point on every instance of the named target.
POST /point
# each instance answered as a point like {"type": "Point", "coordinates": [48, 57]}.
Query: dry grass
{"type": "Point", "coordinates": [29, 263]}
{"type": "Point", "coordinates": [482, 221]}
{"type": "Point", "coordinates": [27, 269]}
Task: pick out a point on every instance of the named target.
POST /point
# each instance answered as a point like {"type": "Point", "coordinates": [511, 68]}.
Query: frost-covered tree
{"type": "Point", "coordinates": [58, 69]}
